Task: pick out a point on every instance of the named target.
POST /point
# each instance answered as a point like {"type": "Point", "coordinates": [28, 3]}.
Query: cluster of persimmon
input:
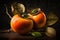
{"type": "Point", "coordinates": [23, 23]}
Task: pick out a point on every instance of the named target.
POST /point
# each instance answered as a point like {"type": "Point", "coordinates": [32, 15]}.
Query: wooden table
{"type": "Point", "coordinates": [7, 35]}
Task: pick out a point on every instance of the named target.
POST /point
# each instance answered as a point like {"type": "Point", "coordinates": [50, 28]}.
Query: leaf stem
{"type": "Point", "coordinates": [7, 12]}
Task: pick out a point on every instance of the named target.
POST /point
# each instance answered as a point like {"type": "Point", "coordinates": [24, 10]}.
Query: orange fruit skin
{"type": "Point", "coordinates": [21, 25]}
{"type": "Point", "coordinates": [40, 19]}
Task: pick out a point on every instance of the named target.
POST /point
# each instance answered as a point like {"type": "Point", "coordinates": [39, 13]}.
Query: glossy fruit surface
{"type": "Point", "coordinates": [21, 25]}
{"type": "Point", "coordinates": [38, 17]}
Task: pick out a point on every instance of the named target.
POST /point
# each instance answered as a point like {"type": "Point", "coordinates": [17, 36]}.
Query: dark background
{"type": "Point", "coordinates": [46, 6]}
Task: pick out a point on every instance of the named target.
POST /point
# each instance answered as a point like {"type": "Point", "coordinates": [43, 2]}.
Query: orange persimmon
{"type": "Point", "coordinates": [39, 18]}
{"type": "Point", "coordinates": [21, 25]}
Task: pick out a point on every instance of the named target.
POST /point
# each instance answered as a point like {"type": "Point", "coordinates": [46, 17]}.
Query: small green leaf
{"type": "Point", "coordinates": [36, 34]}
{"type": "Point", "coordinates": [35, 11]}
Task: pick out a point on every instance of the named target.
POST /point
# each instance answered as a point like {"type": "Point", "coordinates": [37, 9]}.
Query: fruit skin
{"type": "Point", "coordinates": [39, 19]}
{"type": "Point", "coordinates": [21, 25]}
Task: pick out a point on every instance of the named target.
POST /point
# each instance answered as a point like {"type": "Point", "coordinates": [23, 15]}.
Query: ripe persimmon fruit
{"type": "Point", "coordinates": [21, 25]}
{"type": "Point", "coordinates": [38, 17]}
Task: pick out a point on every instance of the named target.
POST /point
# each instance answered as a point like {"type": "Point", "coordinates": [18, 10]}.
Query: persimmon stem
{"type": "Point", "coordinates": [7, 12]}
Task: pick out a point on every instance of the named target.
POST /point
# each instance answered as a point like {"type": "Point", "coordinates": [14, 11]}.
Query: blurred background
{"type": "Point", "coordinates": [46, 6]}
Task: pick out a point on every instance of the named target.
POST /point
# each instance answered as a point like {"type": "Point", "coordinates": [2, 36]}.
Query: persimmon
{"type": "Point", "coordinates": [21, 25]}
{"type": "Point", "coordinates": [39, 17]}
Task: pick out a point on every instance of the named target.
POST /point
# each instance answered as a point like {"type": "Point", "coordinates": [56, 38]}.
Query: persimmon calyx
{"type": "Point", "coordinates": [36, 11]}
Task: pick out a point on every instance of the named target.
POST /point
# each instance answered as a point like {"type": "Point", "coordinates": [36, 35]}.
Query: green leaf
{"type": "Point", "coordinates": [35, 11]}
{"type": "Point", "coordinates": [51, 19]}
{"type": "Point", "coordinates": [36, 34]}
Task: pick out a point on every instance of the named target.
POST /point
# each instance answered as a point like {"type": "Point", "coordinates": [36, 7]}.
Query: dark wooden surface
{"type": "Point", "coordinates": [10, 35]}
